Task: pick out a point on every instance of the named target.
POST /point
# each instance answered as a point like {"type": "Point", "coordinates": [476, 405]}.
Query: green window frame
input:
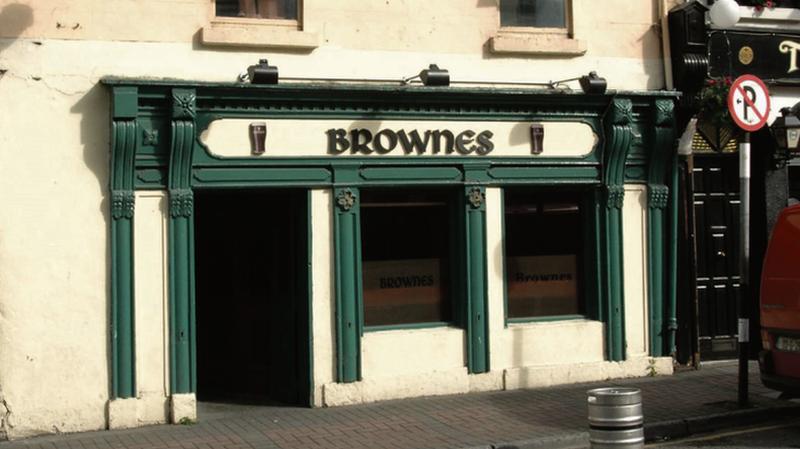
{"type": "Point", "coordinates": [586, 270]}
{"type": "Point", "coordinates": [453, 222]}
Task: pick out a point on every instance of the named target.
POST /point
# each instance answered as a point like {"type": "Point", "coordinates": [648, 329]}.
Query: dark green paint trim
{"type": "Point", "coordinates": [477, 295]}
{"type": "Point", "coordinates": [261, 176]}
{"type": "Point", "coordinates": [550, 174]}
{"type": "Point", "coordinates": [672, 298]}
{"type": "Point", "coordinates": [309, 295]}
{"type": "Point", "coordinates": [663, 146]}
{"type": "Point", "coordinates": [619, 136]}
{"type": "Point", "coordinates": [349, 307]}
{"type": "Point", "coordinates": [174, 112]}
{"type": "Point", "coordinates": [123, 354]}
{"type": "Point", "coordinates": [410, 174]}
{"type": "Point", "coordinates": [125, 102]}
{"type": "Point", "coordinates": [504, 257]}
{"type": "Point", "coordinates": [470, 94]}
{"type": "Point", "coordinates": [393, 327]}
{"type": "Point", "coordinates": [183, 377]}
{"type": "Point", "coordinates": [655, 285]}
{"type": "Point", "coordinates": [591, 256]}
{"type": "Point", "coordinates": [547, 319]}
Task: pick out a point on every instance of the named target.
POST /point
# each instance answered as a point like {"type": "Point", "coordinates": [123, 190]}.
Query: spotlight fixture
{"type": "Point", "coordinates": [593, 84]}
{"type": "Point", "coordinates": [262, 73]}
{"type": "Point", "coordinates": [432, 76]}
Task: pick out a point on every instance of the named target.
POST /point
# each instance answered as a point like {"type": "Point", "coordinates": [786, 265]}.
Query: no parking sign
{"type": "Point", "coordinates": [748, 102]}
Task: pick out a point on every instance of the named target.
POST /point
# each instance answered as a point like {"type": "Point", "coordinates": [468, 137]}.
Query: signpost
{"type": "Point", "coordinates": [748, 103]}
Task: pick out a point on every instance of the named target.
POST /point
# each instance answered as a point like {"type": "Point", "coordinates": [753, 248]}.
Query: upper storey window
{"type": "Point", "coordinates": [258, 9]}
{"type": "Point", "coordinates": [536, 27]}
{"type": "Point", "coordinates": [533, 13]}
{"type": "Point", "coordinates": [277, 24]}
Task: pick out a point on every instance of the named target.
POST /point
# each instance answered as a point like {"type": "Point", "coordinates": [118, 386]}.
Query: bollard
{"type": "Point", "coordinates": [615, 418]}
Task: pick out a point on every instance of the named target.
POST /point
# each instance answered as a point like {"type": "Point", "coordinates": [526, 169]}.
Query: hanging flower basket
{"type": "Point", "coordinates": [714, 121]}
{"type": "Point", "coordinates": [759, 5]}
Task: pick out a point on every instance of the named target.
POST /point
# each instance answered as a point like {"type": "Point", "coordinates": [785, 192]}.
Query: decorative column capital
{"type": "Point", "coordinates": [346, 200]}
{"type": "Point", "coordinates": [664, 113]}
{"type": "Point", "coordinates": [620, 112]}
{"type": "Point", "coordinates": [658, 196]}
{"type": "Point", "coordinates": [615, 195]}
{"type": "Point", "coordinates": [476, 197]}
{"type": "Point", "coordinates": [122, 204]}
{"type": "Point", "coordinates": [181, 203]}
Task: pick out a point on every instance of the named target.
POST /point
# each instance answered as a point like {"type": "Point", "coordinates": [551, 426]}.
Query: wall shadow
{"type": "Point", "coordinates": [14, 19]}
{"type": "Point", "coordinates": [95, 134]}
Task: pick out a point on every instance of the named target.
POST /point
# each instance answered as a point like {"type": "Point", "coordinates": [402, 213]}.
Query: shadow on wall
{"type": "Point", "coordinates": [14, 19]}
{"type": "Point", "coordinates": [93, 109]}
{"type": "Point", "coordinates": [95, 138]}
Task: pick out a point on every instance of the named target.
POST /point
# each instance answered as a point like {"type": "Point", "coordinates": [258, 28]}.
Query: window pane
{"type": "Point", "coordinates": [264, 9]}
{"type": "Point", "coordinates": [405, 249]}
{"type": "Point", "coordinates": [544, 253]}
{"type": "Point", "coordinates": [533, 13]}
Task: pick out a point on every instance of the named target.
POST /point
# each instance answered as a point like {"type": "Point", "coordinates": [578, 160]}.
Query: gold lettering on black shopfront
{"type": "Point", "coordinates": [385, 141]}
{"type": "Point", "coordinates": [791, 48]}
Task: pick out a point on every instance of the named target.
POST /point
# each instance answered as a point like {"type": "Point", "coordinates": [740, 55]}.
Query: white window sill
{"type": "Point", "coordinates": [258, 33]}
{"type": "Point", "coordinates": [533, 43]}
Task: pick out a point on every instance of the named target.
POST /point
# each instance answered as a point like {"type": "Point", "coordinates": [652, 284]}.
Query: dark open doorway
{"type": "Point", "coordinates": [252, 296]}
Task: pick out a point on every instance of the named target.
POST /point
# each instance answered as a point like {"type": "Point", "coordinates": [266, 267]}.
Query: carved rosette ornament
{"type": "Point", "coordinates": [150, 137]}
{"type": "Point", "coordinates": [122, 204]}
{"type": "Point", "coordinates": [183, 103]}
{"type": "Point", "coordinates": [475, 197]}
{"type": "Point", "coordinates": [181, 203]}
{"type": "Point", "coordinates": [616, 196]}
{"type": "Point", "coordinates": [346, 199]}
{"type": "Point", "coordinates": [659, 196]}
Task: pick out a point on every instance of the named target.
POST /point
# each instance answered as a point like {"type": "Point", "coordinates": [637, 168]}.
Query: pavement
{"type": "Point", "coordinates": [685, 403]}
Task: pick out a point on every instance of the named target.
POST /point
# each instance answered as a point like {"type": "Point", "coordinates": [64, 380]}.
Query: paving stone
{"type": "Point", "coordinates": [528, 418]}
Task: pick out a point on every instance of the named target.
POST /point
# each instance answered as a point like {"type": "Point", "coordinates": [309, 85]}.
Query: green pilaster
{"type": "Point", "coordinates": [181, 244]}
{"type": "Point", "coordinates": [123, 363]}
{"type": "Point", "coordinates": [349, 308]}
{"type": "Point", "coordinates": [658, 195]}
{"type": "Point", "coordinates": [477, 306]}
{"type": "Point", "coordinates": [619, 135]}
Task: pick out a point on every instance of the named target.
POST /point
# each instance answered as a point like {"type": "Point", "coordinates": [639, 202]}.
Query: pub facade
{"type": "Point", "coordinates": [331, 236]}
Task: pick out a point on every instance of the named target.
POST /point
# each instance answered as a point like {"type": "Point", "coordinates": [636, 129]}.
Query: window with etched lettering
{"type": "Point", "coordinates": [533, 13]}
{"type": "Point", "coordinates": [406, 241]}
{"type": "Point", "coordinates": [259, 9]}
{"type": "Point", "coordinates": [544, 253]}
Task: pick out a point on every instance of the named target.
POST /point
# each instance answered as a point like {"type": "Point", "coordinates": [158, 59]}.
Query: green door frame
{"type": "Point", "coordinates": [146, 110]}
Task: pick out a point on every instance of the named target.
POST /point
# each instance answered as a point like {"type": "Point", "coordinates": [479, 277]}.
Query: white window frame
{"type": "Point", "coordinates": [531, 40]}
{"type": "Point", "coordinates": [256, 32]}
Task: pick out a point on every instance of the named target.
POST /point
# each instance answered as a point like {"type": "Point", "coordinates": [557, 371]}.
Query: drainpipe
{"type": "Point", "coordinates": [672, 298]}
{"type": "Point", "coordinates": [684, 150]}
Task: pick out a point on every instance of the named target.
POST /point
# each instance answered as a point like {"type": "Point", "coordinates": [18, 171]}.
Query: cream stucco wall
{"type": "Point", "coordinates": [297, 138]}
{"type": "Point", "coordinates": [322, 292]}
{"type": "Point", "coordinates": [529, 344]}
{"type": "Point", "coordinates": [634, 246]}
{"type": "Point", "coordinates": [436, 27]}
{"type": "Point", "coordinates": [151, 306]}
{"type": "Point", "coordinates": [54, 146]}
{"type": "Point", "coordinates": [54, 271]}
